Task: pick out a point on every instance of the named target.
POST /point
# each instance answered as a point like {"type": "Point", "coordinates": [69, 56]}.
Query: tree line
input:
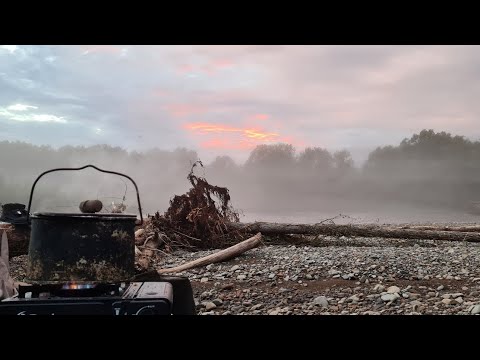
{"type": "Point", "coordinates": [429, 168]}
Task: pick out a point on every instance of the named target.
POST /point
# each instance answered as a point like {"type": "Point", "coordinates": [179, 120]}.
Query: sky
{"type": "Point", "coordinates": [225, 100]}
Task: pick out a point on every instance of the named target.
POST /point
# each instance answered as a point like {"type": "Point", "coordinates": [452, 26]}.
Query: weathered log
{"type": "Point", "coordinates": [467, 228]}
{"type": "Point", "coordinates": [18, 238]}
{"type": "Point", "coordinates": [353, 230]}
{"type": "Point", "coordinates": [222, 255]}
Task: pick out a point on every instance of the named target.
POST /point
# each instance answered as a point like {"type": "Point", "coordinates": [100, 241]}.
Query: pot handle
{"type": "Point", "coordinates": [81, 168]}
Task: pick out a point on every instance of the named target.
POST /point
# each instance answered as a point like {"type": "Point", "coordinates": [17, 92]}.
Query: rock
{"type": "Point", "coordinates": [241, 277]}
{"type": "Point", "coordinates": [227, 286]}
{"type": "Point", "coordinates": [321, 301]}
{"type": "Point", "coordinates": [475, 310]}
{"type": "Point", "coordinates": [256, 307]}
{"type": "Point", "coordinates": [393, 289]}
{"type": "Point", "coordinates": [204, 279]}
{"type": "Point", "coordinates": [209, 305]}
{"type": "Point", "coordinates": [459, 300]}
{"type": "Point", "coordinates": [449, 301]}
{"type": "Point", "coordinates": [217, 302]}
{"type": "Point", "coordinates": [379, 288]}
{"type": "Point", "coordinates": [440, 288]}
{"type": "Point", "coordinates": [234, 268]}
{"type": "Point", "coordinates": [208, 313]}
{"type": "Point", "coordinates": [354, 298]}
{"type": "Point", "coordinates": [371, 312]}
{"type": "Point", "coordinates": [334, 272]}
{"type": "Point", "coordinates": [389, 297]}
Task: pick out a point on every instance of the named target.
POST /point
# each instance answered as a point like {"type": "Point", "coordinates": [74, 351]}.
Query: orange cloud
{"type": "Point", "coordinates": [233, 137]}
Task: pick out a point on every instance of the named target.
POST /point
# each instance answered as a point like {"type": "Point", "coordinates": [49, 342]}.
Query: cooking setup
{"type": "Point", "coordinates": [83, 263]}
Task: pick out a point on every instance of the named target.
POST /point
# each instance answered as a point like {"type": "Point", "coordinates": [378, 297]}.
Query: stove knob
{"type": "Point", "coordinates": [146, 310]}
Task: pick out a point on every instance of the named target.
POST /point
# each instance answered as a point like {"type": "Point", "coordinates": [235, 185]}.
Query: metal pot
{"type": "Point", "coordinates": [80, 247]}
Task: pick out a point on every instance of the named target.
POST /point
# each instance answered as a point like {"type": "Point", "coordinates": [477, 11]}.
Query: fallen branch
{"type": "Point", "coordinates": [222, 255]}
{"type": "Point", "coordinates": [353, 230]}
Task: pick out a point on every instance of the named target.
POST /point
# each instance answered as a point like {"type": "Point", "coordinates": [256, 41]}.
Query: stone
{"type": "Point", "coordinates": [440, 288]}
{"type": "Point", "coordinates": [209, 305]}
{"type": "Point", "coordinates": [449, 301]}
{"type": "Point", "coordinates": [241, 277]}
{"type": "Point", "coordinates": [227, 287]}
{"type": "Point", "coordinates": [371, 312]}
{"type": "Point", "coordinates": [354, 298]}
{"type": "Point", "coordinates": [204, 279]}
{"type": "Point", "coordinates": [234, 268]}
{"type": "Point", "coordinates": [389, 297]}
{"type": "Point", "coordinates": [321, 301]}
{"type": "Point", "coordinates": [393, 289]}
{"type": "Point", "coordinates": [475, 310]}
{"type": "Point", "coordinates": [217, 302]}
{"type": "Point", "coordinates": [379, 288]}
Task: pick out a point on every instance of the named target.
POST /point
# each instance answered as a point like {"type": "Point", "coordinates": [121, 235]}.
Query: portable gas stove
{"type": "Point", "coordinates": [136, 298]}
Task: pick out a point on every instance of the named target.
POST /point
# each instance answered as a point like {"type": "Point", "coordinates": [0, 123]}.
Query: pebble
{"type": "Point", "coordinates": [393, 289]}
{"type": "Point", "coordinates": [321, 301]}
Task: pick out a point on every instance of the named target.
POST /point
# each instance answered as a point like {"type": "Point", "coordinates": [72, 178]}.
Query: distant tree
{"type": "Point", "coordinates": [223, 163]}
{"type": "Point", "coordinates": [272, 156]}
{"type": "Point", "coordinates": [315, 158]}
{"type": "Point", "coordinates": [343, 160]}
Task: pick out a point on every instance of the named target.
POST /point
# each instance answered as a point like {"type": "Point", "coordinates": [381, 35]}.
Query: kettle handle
{"type": "Point", "coordinates": [81, 168]}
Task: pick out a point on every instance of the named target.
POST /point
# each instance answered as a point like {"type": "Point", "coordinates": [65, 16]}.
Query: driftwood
{"type": "Point", "coordinates": [222, 255]}
{"type": "Point", "coordinates": [467, 228]}
{"type": "Point", "coordinates": [353, 230]}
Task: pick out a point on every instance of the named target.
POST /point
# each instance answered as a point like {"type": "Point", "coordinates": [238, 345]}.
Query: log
{"type": "Point", "coordinates": [353, 230]}
{"type": "Point", "coordinates": [18, 238]}
{"type": "Point", "coordinates": [467, 228]}
{"type": "Point", "coordinates": [222, 255]}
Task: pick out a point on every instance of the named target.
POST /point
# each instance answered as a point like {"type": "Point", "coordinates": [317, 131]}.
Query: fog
{"type": "Point", "coordinates": [431, 176]}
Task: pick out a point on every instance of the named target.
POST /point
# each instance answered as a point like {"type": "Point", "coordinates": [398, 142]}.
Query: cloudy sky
{"type": "Point", "coordinates": [228, 99]}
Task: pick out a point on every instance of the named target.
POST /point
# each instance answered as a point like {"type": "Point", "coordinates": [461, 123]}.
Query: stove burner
{"type": "Point", "coordinates": [69, 290]}
{"type": "Point", "coordinates": [78, 286]}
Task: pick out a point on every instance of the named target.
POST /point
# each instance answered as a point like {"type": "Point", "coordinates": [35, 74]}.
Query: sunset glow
{"type": "Point", "coordinates": [233, 137]}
